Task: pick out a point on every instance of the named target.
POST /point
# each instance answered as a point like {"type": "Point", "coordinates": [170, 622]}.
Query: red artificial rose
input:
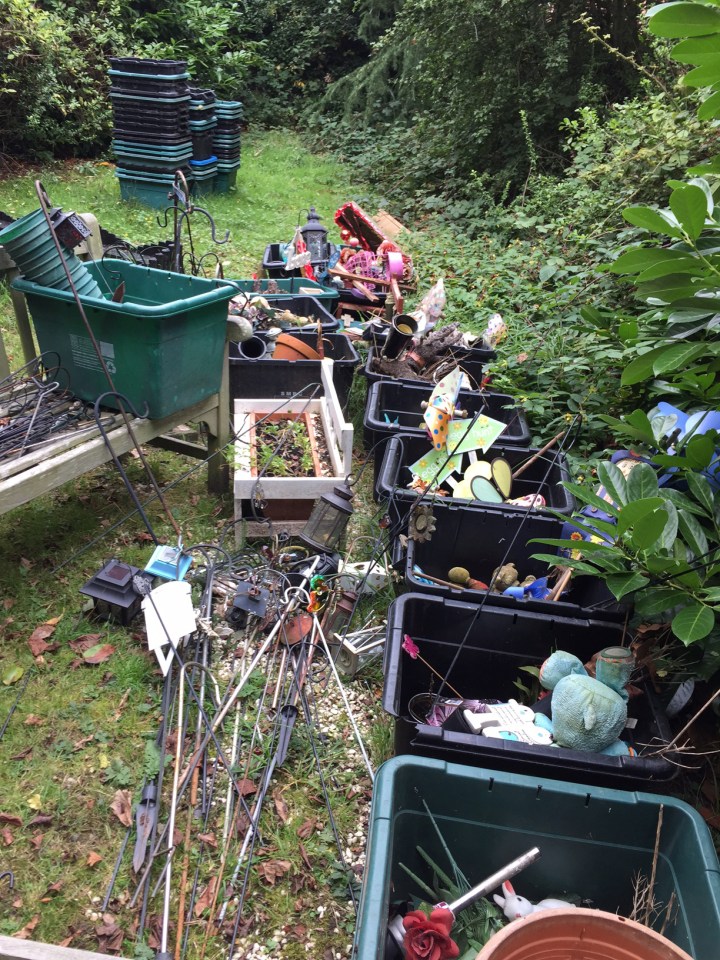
{"type": "Point", "coordinates": [428, 938]}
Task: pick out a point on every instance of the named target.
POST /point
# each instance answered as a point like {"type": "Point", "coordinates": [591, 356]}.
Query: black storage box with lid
{"type": "Point", "coordinates": [479, 541]}
{"type": "Point", "coordinates": [542, 477]}
{"type": "Point", "coordinates": [499, 643]}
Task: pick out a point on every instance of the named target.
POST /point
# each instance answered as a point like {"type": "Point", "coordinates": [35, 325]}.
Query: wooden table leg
{"type": "Point", "coordinates": [219, 436]}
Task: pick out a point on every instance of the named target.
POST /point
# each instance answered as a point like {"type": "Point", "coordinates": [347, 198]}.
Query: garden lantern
{"type": "Point", "coordinates": [328, 520]}
{"type": "Point", "coordinates": [113, 592]}
{"type": "Point", "coordinates": [315, 237]}
{"type": "Point", "coordinates": [71, 229]}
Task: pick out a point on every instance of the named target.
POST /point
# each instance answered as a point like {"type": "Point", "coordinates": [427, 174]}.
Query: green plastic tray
{"type": "Point", "coordinates": [592, 842]}
{"type": "Point", "coordinates": [163, 345]}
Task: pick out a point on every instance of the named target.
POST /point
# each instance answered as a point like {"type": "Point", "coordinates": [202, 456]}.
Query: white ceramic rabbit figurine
{"type": "Point", "coordinates": [514, 906]}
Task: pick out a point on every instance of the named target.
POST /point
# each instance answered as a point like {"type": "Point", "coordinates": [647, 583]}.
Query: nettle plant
{"type": "Point", "coordinates": [656, 544]}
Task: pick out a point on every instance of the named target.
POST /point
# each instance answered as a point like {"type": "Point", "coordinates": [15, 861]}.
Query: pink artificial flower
{"type": "Point", "coordinates": [409, 646]}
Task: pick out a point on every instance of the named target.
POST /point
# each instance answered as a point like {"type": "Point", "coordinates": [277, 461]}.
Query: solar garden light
{"type": "Point", "coordinates": [328, 520]}
{"type": "Point", "coordinates": [315, 237]}
{"type": "Point", "coordinates": [113, 592]}
{"type": "Point", "coordinates": [70, 229]}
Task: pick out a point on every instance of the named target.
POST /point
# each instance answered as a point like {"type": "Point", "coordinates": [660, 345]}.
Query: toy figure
{"type": "Point", "coordinates": [515, 906]}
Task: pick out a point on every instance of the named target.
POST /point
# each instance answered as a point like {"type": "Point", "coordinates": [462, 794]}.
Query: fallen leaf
{"type": "Point", "coordinates": [246, 787]}
{"type": "Point", "coordinates": [84, 642]}
{"type": "Point", "coordinates": [110, 937]}
{"type": "Point", "coordinates": [34, 802]}
{"type": "Point", "coordinates": [12, 675]}
{"type": "Point", "coordinates": [23, 755]}
{"type": "Point", "coordinates": [93, 858]}
{"type": "Point", "coordinates": [103, 761]}
{"type": "Point", "coordinates": [206, 897]}
{"type": "Point", "coordinates": [17, 904]}
{"type": "Point", "coordinates": [79, 744]}
{"type": "Point", "coordinates": [281, 808]}
{"type": "Point", "coordinates": [121, 705]}
{"type": "Point", "coordinates": [308, 828]}
{"type": "Point", "coordinates": [24, 934]}
{"type": "Point", "coordinates": [36, 640]}
{"type": "Point", "coordinates": [8, 604]}
{"type": "Point", "coordinates": [121, 806]}
{"type": "Point", "coordinates": [37, 840]}
{"type": "Point", "coordinates": [37, 646]}
{"type": "Point", "coordinates": [209, 839]}
{"type": "Point", "coordinates": [33, 720]}
{"type": "Point", "coordinates": [67, 941]}
{"type": "Point", "coordinates": [25, 563]}
{"type": "Point", "coordinates": [41, 820]}
{"type": "Point", "coordinates": [178, 837]}
{"type": "Point", "coordinates": [11, 819]}
{"type": "Point", "coordinates": [303, 854]}
{"type": "Point", "coordinates": [54, 888]}
{"type": "Point", "coordinates": [522, 357]}
{"type": "Point", "coordinates": [271, 870]}
{"type": "Point", "coordinates": [7, 836]}
{"type": "Point", "coordinates": [99, 653]}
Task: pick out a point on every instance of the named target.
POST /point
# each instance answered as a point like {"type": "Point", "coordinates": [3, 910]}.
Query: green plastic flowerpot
{"type": "Point", "coordinates": [32, 224]}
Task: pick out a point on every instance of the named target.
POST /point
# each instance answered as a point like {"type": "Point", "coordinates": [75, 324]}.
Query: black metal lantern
{"type": "Point", "coordinates": [328, 520]}
{"type": "Point", "coordinates": [315, 237]}
{"type": "Point", "coordinates": [71, 229]}
{"type": "Point", "coordinates": [113, 592]}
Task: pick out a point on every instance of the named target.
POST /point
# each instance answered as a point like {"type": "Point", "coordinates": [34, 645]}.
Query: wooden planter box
{"type": "Point", "coordinates": [288, 500]}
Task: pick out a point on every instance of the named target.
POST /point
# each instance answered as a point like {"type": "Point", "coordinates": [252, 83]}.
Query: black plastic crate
{"type": "Point", "coordinates": [307, 307]}
{"type": "Point", "coordinates": [479, 541]}
{"type": "Point", "coordinates": [500, 642]}
{"type": "Point", "coordinates": [282, 378]}
{"type": "Point", "coordinates": [274, 265]}
{"type": "Point", "coordinates": [202, 145]}
{"type": "Point", "coordinates": [544, 476]}
{"type": "Point", "coordinates": [141, 137]}
{"type": "Point", "coordinates": [157, 89]}
{"type": "Point", "coordinates": [394, 407]}
{"type": "Point", "coordinates": [473, 362]}
{"type": "Point", "coordinates": [141, 65]}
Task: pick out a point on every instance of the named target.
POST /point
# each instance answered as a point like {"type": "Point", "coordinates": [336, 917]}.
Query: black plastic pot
{"type": "Point", "coordinates": [500, 642]}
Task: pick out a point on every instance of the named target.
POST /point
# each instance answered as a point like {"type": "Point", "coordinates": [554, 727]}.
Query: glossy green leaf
{"type": "Point", "coordinates": [687, 266]}
{"type": "Point", "coordinates": [692, 533]}
{"type": "Point", "coordinates": [654, 600]}
{"type": "Point", "coordinates": [585, 495]}
{"type": "Point", "coordinates": [628, 330]}
{"type": "Point", "coordinates": [643, 258]}
{"type": "Point", "coordinates": [696, 49]}
{"type": "Point", "coordinates": [611, 477]}
{"type": "Point", "coordinates": [690, 207]}
{"type": "Point", "coordinates": [676, 20]}
{"type": "Point", "coordinates": [693, 622]}
{"type": "Point", "coordinates": [702, 183]}
{"type": "Point", "coordinates": [642, 482]}
{"type": "Point", "coordinates": [702, 491]}
{"type": "Point", "coordinates": [641, 368]}
{"type": "Point", "coordinates": [706, 75]}
{"type": "Point", "coordinates": [712, 594]}
{"type": "Point", "coordinates": [699, 451]}
{"type": "Point", "coordinates": [652, 220]}
{"type": "Point", "coordinates": [578, 565]}
{"type": "Point", "coordinates": [669, 534]}
{"type": "Point", "coordinates": [648, 530]}
{"type": "Point", "coordinates": [681, 500]}
{"type": "Point", "coordinates": [710, 107]}
{"type": "Point", "coordinates": [676, 358]}
{"type": "Point", "coordinates": [632, 512]}
{"type": "Point", "coordinates": [626, 429]}
{"type": "Point", "coordinates": [620, 584]}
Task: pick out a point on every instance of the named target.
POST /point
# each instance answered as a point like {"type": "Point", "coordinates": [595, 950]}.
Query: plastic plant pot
{"type": "Point", "coordinates": [579, 934]}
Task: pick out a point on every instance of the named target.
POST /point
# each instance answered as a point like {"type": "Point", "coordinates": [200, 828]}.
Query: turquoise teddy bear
{"type": "Point", "coordinates": [588, 713]}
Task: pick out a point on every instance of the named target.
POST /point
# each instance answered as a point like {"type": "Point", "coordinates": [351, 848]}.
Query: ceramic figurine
{"type": "Point", "coordinates": [504, 577]}
{"type": "Point", "coordinates": [515, 906]}
{"type": "Point", "coordinates": [587, 714]}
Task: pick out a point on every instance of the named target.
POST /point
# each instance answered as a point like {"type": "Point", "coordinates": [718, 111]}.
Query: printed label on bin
{"type": "Point", "coordinates": [84, 356]}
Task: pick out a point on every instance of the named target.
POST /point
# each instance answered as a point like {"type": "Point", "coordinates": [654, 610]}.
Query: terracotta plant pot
{"type": "Point", "coordinates": [578, 934]}
{"type": "Point", "coordinates": [292, 348]}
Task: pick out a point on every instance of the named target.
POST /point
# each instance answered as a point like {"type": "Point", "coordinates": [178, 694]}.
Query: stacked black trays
{"type": "Point", "coordinates": [151, 140]}
{"type": "Point", "coordinates": [227, 143]}
{"type": "Point", "coordinates": [202, 129]}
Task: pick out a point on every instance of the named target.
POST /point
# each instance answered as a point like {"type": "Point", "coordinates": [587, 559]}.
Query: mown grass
{"type": "Point", "coordinates": [80, 732]}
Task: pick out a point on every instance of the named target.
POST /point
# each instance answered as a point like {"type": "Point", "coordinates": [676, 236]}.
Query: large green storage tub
{"type": "Point", "coordinates": [592, 842]}
{"type": "Point", "coordinates": [163, 345]}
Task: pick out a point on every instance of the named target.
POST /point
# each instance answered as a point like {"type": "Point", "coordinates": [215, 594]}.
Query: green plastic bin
{"type": "Point", "coordinates": [592, 842]}
{"type": "Point", "coordinates": [163, 345]}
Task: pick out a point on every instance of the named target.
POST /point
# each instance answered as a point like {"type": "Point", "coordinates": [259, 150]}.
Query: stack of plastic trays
{"type": "Point", "coordinates": [202, 129]}
{"type": "Point", "coordinates": [151, 135]}
{"type": "Point", "coordinates": [227, 142]}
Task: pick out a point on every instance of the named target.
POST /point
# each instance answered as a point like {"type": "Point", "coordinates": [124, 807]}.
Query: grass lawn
{"type": "Point", "coordinates": [82, 734]}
